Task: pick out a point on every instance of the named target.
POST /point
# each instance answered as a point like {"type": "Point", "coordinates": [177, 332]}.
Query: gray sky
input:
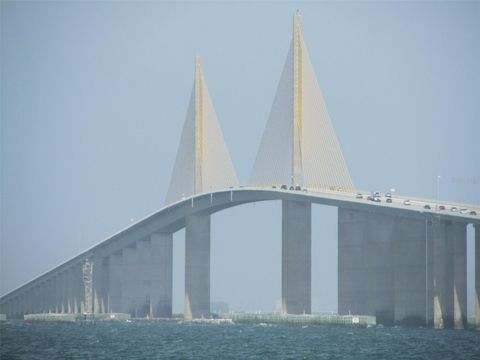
{"type": "Point", "coordinates": [94, 95]}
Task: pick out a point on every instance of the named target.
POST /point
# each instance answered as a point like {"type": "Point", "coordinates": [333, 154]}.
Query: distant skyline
{"type": "Point", "coordinates": [94, 96]}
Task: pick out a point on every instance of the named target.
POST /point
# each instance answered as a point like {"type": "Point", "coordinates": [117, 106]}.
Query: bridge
{"type": "Point", "coordinates": [403, 261]}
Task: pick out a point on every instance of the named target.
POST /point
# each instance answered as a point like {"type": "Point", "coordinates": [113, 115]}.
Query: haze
{"type": "Point", "coordinates": [94, 95]}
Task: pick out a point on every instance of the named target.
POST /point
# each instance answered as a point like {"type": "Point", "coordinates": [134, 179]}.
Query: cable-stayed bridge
{"type": "Point", "coordinates": [397, 260]}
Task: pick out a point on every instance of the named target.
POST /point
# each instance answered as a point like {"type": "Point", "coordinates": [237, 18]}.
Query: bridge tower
{"type": "Point", "coordinates": [299, 145]}
{"type": "Point", "coordinates": [203, 164]}
{"type": "Point", "coordinates": [299, 148]}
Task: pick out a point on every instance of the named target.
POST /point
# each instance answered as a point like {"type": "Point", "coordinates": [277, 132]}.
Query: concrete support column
{"type": "Point", "coordinates": [20, 301]}
{"type": "Point", "coordinates": [56, 294]}
{"type": "Point", "coordinates": [442, 276]}
{"type": "Point", "coordinates": [69, 290]}
{"type": "Point", "coordinates": [35, 300]}
{"type": "Point", "coordinates": [114, 298]}
{"type": "Point", "coordinates": [130, 276]}
{"type": "Point", "coordinates": [28, 301]}
{"type": "Point", "coordinates": [50, 295]}
{"type": "Point", "coordinates": [100, 267]}
{"type": "Point", "coordinates": [162, 247]}
{"type": "Point", "coordinates": [457, 232]}
{"type": "Point", "coordinates": [65, 291]}
{"type": "Point", "coordinates": [144, 283]}
{"type": "Point", "coordinates": [197, 266]}
{"type": "Point", "coordinates": [352, 226]}
{"type": "Point", "coordinates": [24, 303]}
{"type": "Point", "coordinates": [155, 285]}
{"type": "Point", "coordinates": [477, 276]}
{"type": "Point", "coordinates": [45, 296]}
{"type": "Point", "coordinates": [296, 257]}
{"type": "Point", "coordinates": [379, 262]}
{"type": "Point", "coordinates": [4, 307]}
{"type": "Point", "coordinates": [61, 295]}
{"type": "Point", "coordinates": [73, 290]}
{"type": "Point", "coordinates": [16, 309]}
{"type": "Point", "coordinates": [79, 288]}
{"type": "Point", "coordinates": [411, 272]}
{"type": "Point", "coordinates": [41, 298]}
{"type": "Point", "coordinates": [57, 285]}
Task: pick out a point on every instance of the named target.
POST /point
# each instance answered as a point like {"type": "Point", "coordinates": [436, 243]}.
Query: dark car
{"type": "Point", "coordinates": [473, 212]}
{"type": "Point", "coordinates": [389, 200]}
{"type": "Point", "coordinates": [442, 207]}
{"type": "Point", "coordinates": [292, 188]}
{"type": "Point", "coordinates": [298, 188]}
{"type": "Point", "coordinates": [370, 198]}
{"type": "Point", "coordinates": [284, 187]}
{"type": "Point", "coordinates": [427, 207]}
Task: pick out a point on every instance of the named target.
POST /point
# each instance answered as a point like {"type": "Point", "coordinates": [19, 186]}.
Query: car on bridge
{"type": "Point", "coordinates": [359, 196]}
{"type": "Point", "coordinates": [407, 202]}
{"type": "Point", "coordinates": [426, 206]}
{"type": "Point", "coordinates": [473, 212]}
{"type": "Point", "coordinates": [284, 187]}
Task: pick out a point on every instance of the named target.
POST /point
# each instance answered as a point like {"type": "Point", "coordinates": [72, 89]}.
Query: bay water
{"type": "Point", "coordinates": [183, 340]}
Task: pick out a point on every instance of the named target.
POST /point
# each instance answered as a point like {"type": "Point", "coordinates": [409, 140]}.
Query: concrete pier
{"type": "Point", "coordinates": [296, 257]}
{"type": "Point", "coordinates": [154, 286]}
{"type": "Point", "coordinates": [411, 272]}
{"type": "Point", "coordinates": [351, 269]}
{"type": "Point", "coordinates": [197, 266]}
{"type": "Point", "coordinates": [161, 246]}
{"type": "Point", "coordinates": [64, 291]}
{"type": "Point", "coordinates": [74, 278]}
{"type": "Point", "coordinates": [100, 283]}
{"type": "Point", "coordinates": [379, 267]}
{"type": "Point", "coordinates": [457, 233]}
{"type": "Point", "coordinates": [442, 276]}
{"type": "Point", "coordinates": [114, 297]}
{"type": "Point", "coordinates": [130, 274]}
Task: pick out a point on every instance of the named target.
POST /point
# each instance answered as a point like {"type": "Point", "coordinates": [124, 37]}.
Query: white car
{"type": "Point", "coordinates": [407, 202]}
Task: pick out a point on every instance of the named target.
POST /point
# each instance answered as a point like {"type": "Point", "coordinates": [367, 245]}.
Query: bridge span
{"type": "Point", "coordinates": [404, 264]}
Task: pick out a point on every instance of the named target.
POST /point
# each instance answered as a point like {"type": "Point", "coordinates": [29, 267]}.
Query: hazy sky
{"type": "Point", "coordinates": [94, 95]}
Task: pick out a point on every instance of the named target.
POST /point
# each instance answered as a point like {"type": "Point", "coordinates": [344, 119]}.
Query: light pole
{"type": "Point", "coordinates": [438, 191]}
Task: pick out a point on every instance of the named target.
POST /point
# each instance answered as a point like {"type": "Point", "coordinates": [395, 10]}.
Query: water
{"type": "Point", "coordinates": [172, 340]}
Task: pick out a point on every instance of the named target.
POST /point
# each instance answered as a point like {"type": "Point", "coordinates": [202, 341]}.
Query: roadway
{"type": "Point", "coordinates": [171, 218]}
